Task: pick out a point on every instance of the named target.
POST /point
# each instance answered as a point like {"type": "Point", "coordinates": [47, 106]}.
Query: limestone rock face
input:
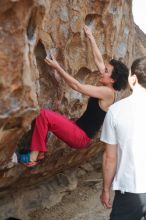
{"type": "Point", "coordinates": [140, 43]}
{"type": "Point", "coordinates": [28, 30]}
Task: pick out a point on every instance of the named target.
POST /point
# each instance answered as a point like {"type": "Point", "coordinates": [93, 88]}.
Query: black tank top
{"type": "Point", "coordinates": [92, 118]}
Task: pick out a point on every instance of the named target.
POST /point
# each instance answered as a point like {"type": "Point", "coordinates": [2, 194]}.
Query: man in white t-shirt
{"type": "Point", "coordinates": [124, 159]}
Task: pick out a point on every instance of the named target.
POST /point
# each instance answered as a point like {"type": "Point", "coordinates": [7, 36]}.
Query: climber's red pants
{"type": "Point", "coordinates": [62, 127]}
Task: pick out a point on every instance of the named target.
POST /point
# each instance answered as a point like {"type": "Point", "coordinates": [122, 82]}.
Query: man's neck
{"type": "Point", "coordinates": [137, 87]}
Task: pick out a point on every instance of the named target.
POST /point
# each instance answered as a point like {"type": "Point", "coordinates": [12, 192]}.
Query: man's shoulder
{"type": "Point", "coordinates": [120, 104]}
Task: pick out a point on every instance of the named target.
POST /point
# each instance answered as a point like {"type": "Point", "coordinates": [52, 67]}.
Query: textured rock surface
{"type": "Point", "coordinates": [41, 201]}
{"type": "Point", "coordinates": [28, 29]}
{"type": "Point", "coordinates": [140, 43]}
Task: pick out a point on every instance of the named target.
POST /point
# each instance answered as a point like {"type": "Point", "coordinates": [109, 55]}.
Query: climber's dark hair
{"type": "Point", "coordinates": [119, 74]}
{"type": "Point", "coordinates": [11, 218]}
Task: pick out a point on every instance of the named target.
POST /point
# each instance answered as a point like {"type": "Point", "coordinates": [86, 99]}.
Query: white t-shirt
{"type": "Point", "coordinates": [125, 126]}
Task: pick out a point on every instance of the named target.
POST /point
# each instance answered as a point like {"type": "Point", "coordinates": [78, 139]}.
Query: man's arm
{"type": "Point", "coordinates": [96, 52]}
{"type": "Point", "coordinates": [109, 170]}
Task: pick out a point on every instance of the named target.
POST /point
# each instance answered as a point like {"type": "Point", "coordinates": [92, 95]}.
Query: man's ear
{"type": "Point", "coordinates": [134, 79]}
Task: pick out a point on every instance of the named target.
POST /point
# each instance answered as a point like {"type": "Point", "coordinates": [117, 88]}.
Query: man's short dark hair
{"type": "Point", "coordinates": [120, 74]}
{"type": "Point", "coordinates": [139, 69]}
